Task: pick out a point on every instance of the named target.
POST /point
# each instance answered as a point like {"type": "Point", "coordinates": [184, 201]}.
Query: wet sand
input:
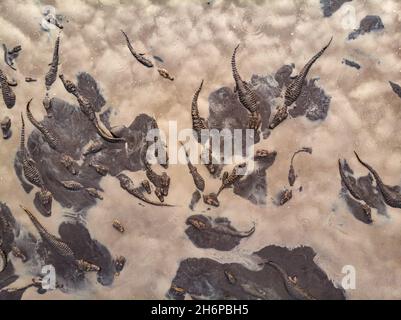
{"type": "Point", "coordinates": [362, 115]}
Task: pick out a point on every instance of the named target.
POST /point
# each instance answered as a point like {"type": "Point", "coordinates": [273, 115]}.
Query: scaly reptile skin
{"type": "Point", "coordinates": [69, 164]}
{"type": "Point", "coordinates": [59, 246]}
{"type": "Point", "coordinates": [229, 179]}
{"type": "Point", "coordinates": [8, 94]}
{"type": "Point", "coordinates": [391, 196]}
{"type": "Point", "coordinates": [139, 57]}
{"type": "Point", "coordinates": [127, 184]}
{"type": "Point", "coordinates": [146, 185]}
{"type": "Point", "coordinates": [294, 89]}
{"type": "Point", "coordinates": [246, 94]}
{"type": "Point", "coordinates": [49, 136]}
{"type": "Point", "coordinates": [51, 75]}
{"type": "Point", "coordinates": [87, 109]}
{"type": "Point", "coordinates": [72, 185]}
{"type": "Point", "coordinates": [161, 182]}
{"type": "Point", "coordinates": [87, 266]}
{"type": "Point", "coordinates": [3, 258]}
{"type": "Point", "coordinates": [100, 169]}
{"type": "Point", "coordinates": [198, 123]}
{"type": "Point", "coordinates": [94, 193]}
{"type": "Point", "coordinates": [93, 147]}
{"type": "Point", "coordinates": [30, 170]}
{"type": "Point", "coordinates": [198, 180]}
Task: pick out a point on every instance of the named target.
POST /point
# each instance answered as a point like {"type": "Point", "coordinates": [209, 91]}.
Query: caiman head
{"type": "Point", "coordinates": [46, 199]}
{"type": "Point", "coordinates": [211, 199]}
{"type": "Point", "coordinates": [197, 223]}
{"type": "Point", "coordinates": [165, 184]}
{"type": "Point", "coordinates": [280, 116]}
{"type": "Point", "coordinates": [86, 266]}
{"type": "Point", "coordinates": [159, 194]}
{"type": "Point", "coordinates": [68, 85]}
{"type": "Point", "coordinates": [15, 49]}
{"type": "Point", "coordinates": [254, 121]}
{"type": "Point", "coordinates": [124, 180]}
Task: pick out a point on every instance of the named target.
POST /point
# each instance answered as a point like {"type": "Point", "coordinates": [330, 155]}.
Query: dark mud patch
{"type": "Point", "coordinates": [331, 6]}
{"type": "Point", "coordinates": [367, 24]}
{"type": "Point", "coordinates": [11, 235]}
{"type": "Point", "coordinates": [356, 208]}
{"type": "Point", "coordinates": [204, 232]}
{"type": "Point", "coordinates": [253, 187]}
{"type": "Point", "coordinates": [15, 294]}
{"type": "Point", "coordinates": [77, 237]}
{"type": "Point", "coordinates": [196, 196]}
{"type": "Point", "coordinates": [205, 278]}
{"type": "Point", "coordinates": [40, 253]}
{"type": "Point", "coordinates": [89, 88]}
{"type": "Point", "coordinates": [75, 133]}
{"type": "Point", "coordinates": [7, 227]}
{"type": "Point", "coordinates": [313, 103]}
{"type": "Point", "coordinates": [396, 88]}
{"type": "Point", "coordinates": [226, 112]}
{"type": "Point", "coordinates": [84, 247]}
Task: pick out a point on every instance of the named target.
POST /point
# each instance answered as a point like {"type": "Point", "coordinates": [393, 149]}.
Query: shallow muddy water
{"type": "Point", "coordinates": [346, 104]}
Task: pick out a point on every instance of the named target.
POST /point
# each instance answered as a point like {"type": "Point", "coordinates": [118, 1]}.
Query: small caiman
{"type": "Point", "coordinates": [198, 180]}
{"type": "Point", "coordinates": [391, 195]}
{"type": "Point", "coordinates": [138, 56]}
{"type": "Point", "coordinates": [127, 184]}
{"type": "Point", "coordinates": [291, 284]}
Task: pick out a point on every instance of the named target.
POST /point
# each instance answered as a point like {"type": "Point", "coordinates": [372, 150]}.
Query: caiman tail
{"type": "Point", "coordinates": [30, 115]}
{"type": "Point", "coordinates": [307, 67]}
{"type": "Point", "coordinates": [55, 243]}
{"type": "Point", "coordinates": [105, 134]}
{"type": "Point", "coordinates": [50, 137]}
{"type": "Point", "coordinates": [194, 106]}
{"type": "Point", "coordinates": [22, 139]}
{"type": "Point", "coordinates": [373, 171]}
{"type": "Point", "coordinates": [237, 77]}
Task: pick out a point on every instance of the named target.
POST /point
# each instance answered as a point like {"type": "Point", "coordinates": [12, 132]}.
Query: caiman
{"type": "Point", "coordinates": [246, 95]}
{"type": "Point", "coordinates": [140, 57]}
{"type": "Point", "coordinates": [291, 173]}
{"type": "Point", "coordinates": [291, 284]}
{"type": "Point", "coordinates": [49, 136]}
{"type": "Point", "coordinates": [391, 195]}
{"type": "Point", "coordinates": [51, 75]}
{"type": "Point", "coordinates": [89, 111]}
{"type": "Point", "coordinates": [8, 94]}
{"type": "Point", "coordinates": [127, 184]}
{"type": "Point", "coordinates": [198, 180]}
{"type": "Point", "coordinates": [294, 89]}
{"type": "Point", "coordinates": [32, 173]}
